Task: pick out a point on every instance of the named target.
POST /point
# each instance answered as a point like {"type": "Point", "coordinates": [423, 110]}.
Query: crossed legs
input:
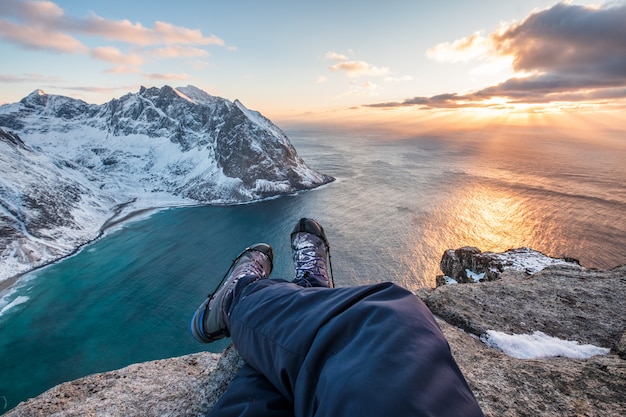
{"type": "Point", "coordinates": [360, 351]}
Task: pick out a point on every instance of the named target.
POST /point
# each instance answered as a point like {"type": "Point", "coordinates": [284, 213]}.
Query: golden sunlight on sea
{"type": "Point", "coordinates": [492, 219]}
{"type": "Point", "coordinates": [525, 178]}
{"type": "Point", "coordinates": [487, 217]}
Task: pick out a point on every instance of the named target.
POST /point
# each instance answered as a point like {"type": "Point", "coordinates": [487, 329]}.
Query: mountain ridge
{"type": "Point", "coordinates": [158, 147]}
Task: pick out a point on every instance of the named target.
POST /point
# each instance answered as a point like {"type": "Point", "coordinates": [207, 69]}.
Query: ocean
{"type": "Point", "coordinates": [398, 203]}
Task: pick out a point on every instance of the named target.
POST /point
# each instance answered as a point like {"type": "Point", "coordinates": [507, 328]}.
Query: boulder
{"type": "Point", "coordinates": [469, 264]}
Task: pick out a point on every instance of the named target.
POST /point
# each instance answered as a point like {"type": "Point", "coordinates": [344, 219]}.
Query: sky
{"type": "Point", "coordinates": [514, 61]}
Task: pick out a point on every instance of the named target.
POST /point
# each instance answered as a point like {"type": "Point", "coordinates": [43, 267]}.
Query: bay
{"type": "Point", "coordinates": [397, 204]}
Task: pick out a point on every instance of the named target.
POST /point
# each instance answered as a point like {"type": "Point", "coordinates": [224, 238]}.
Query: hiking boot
{"type": "Point", "coordinates": [210, 322]}
{"type": "Point", "coordinates": [311, 254]}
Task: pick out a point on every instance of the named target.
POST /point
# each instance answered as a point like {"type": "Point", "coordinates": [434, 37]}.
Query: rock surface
{"type": "Point", "coordinates": [563, 300]}
{"type": "Point", "coordinates": [184, 386]}
{"type": "Point", "coordinates": [506, 386]}
{"type": "Point", "coordinates": [466, 264]}
{"type": "Point", "coordinates": [568, 303]}
{"type": "Point", "coordinates": [528, 292]}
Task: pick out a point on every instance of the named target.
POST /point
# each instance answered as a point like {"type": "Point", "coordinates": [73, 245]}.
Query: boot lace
{"type": "Point", "coordinates": [310, 258]}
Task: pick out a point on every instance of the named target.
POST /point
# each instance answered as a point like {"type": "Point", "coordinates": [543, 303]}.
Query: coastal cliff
{"type": "Point", "coordinates": [517, 293]}
{"type": "Point", "coordinates": [71, 169]}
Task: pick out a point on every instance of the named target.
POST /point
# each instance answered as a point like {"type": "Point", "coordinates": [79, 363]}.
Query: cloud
{"type": "Point", "coordinates": [475, 46]}
{"type": "Point", "coordinates": [123, 69]}
{"type": "Point", "coordinates": [27, 78]}
{"type": "Point", "coordinates": [336, 57]}
{"type": "Point", "coordinates": [114, 55]}
{"type": "Point", "coordinates": [168, 77]}
{"type": "Point", "coordinates": [137, 34]}
{"type": "Point", "coordinates": [43, 25]}
{"type": "Point", "coordinates": [93, 89]}
{"type": "Point", "coordinates": [179, 51]}
{"type": "Point", "coordinates": [353, 68]}
{"type": "Point", "coordinates": [38, 37]}
{"type": "Point", "coordinates": [359, 68]}
{"type": "Point", "coordinates": [565, 53]}
{"type": "Point", "coordinates": [363, 89]}
{"type": "Point", "coordinates": [438, 101]}
{"type": "Point", "coordinates": [573, 41]}
{"type": "Point", "coordinates": [24, 9]}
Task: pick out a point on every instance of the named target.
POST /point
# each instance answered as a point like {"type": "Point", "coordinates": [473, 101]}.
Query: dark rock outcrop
{"type": "Point", "coordinates": [12, 139]}
{"type": "Point", "coordinates": [456, 263]}
{"type": "Point", "coordinates": [530, 292]}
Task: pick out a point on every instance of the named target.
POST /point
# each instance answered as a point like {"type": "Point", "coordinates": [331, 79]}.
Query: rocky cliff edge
{"type": "Point", "coordinates": [518, 292]}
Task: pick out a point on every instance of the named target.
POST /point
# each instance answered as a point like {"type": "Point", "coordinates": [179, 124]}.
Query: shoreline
{"type": "Point", "coordinates": [8, 283]}
{"type": "Point", "coordinates": [113, 221]}
{"type": "Point", "coordinates": [109, 223]}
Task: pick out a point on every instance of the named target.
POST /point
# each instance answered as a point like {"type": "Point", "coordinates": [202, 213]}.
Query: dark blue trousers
{"type": "Point", "coordinates": [372, 350]}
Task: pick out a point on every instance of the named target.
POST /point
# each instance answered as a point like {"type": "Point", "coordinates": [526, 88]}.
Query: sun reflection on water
{"type": "Point", "coordinates": [493, 218]}
{"type": "Point", "coordinates": [488, 217]}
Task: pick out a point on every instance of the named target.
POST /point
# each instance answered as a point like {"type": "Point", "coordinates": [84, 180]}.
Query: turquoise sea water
{"type": "Point", "coordinates": [395, 207]}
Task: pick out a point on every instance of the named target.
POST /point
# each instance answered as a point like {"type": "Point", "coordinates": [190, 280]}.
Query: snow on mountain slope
{"type": "Point", "coordinates": [36, 223]}
{"type": "Point", "coordinates": [71, 163]}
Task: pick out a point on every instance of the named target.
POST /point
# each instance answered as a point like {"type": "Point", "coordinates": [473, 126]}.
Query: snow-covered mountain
{"type": "Point", "coordinates": [68, 166]}
{"type": "Point", "coordinates": [48, 206]}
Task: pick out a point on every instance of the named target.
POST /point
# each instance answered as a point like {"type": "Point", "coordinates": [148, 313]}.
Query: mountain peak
{"type": "Point", "coordinates": [165, 91]}
{"type": "Point", "coordinates": [36, 98]}
{"type": "Point", "coordinates": [190, 94]}
{"type": "Point", "coordinates": [196, 94]}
